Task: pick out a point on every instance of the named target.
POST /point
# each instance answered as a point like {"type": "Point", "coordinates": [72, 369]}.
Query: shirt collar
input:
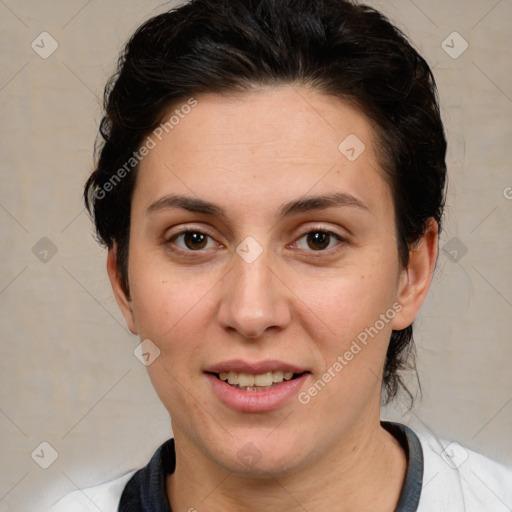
{"type": "Point", "coordinates": [146, 490]}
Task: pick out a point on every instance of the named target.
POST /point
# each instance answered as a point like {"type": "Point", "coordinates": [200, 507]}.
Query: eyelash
{"type": "Point", "coordinates": [341, 241]}
{"type": "Point", "coordinates": [171, 240]}
{"type": "Point", "coordinates": [316, 253]}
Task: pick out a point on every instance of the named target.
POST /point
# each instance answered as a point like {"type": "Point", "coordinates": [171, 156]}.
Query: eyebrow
{"type": "Point", "coordinates": [190, 204]}
{"type": "Point", "coordinates": [302, 205]}
{"type": "Point", "coordinates": [320, 202]}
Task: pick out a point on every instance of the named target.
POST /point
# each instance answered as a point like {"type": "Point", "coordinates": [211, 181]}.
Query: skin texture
{"type": "Point", "coordinates": [250, 154]}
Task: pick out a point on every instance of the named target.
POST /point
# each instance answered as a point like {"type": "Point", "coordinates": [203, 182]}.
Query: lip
{"type": "Point", "coordinates": [255, 368]}
{"type": "Point", "coordinates": [256, 401]}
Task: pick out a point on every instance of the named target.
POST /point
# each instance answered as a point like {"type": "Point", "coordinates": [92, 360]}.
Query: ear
{"type": "Point", "coordinates": [123, 301]}
{"type": "Point", "coordinates": [414, 281]}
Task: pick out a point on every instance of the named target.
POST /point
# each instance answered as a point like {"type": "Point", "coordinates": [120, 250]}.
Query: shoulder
{"type": "Point", "coordinates": [132, 487]}
{"type": "Point", "coordinates": [104, 497]}
{"type": "Point", "coordinates": [457, 478]}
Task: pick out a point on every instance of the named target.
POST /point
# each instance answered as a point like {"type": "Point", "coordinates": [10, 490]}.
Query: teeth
{"type": "Point", "coordinates": [277, 376]}
{"type": "Point", "coordinates": [247, 380]}
{"type": "Point", "coordinates": [233, 378]}
{"type": "Point", "coordinates": [263, 379]}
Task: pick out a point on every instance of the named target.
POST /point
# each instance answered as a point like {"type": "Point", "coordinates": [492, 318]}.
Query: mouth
{"type": "Point", "coordinates": [257, 382]}
{"type": "Point", "coordinates": [256, 386]}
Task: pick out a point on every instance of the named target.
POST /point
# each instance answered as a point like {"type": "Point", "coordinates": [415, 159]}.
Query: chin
{"type": "Point", "coordinates": [261, 459]}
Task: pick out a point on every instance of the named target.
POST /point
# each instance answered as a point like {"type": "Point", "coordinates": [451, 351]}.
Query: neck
{"type": "Point", "coordinates": [366, 473]}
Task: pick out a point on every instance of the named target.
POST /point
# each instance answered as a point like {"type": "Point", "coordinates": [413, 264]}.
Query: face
{"type": "Point", "coordinates": [260, 246]}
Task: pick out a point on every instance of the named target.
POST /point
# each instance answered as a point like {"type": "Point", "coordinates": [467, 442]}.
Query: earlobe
{"type": "Point", "coordinates": [123, 301]}
{"type": "Point", "coordinates": [415, 280]}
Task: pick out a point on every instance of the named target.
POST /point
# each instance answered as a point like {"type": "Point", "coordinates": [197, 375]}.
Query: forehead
{"type": "Point", "coordinates": [262, 144]}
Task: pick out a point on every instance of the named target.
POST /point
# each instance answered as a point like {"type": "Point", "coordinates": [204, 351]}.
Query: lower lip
{"type": "Point", "coordinates": [256, 401]}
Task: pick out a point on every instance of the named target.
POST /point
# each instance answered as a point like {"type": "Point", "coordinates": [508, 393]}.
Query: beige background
{"type": "Point", "coordinates": [68, 373]}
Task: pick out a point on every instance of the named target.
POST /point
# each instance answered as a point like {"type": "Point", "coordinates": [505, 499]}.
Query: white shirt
{"type": "Point", "coordinates": [455, 479]}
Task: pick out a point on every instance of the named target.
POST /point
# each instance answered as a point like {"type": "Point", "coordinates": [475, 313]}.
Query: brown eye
{"type": "Point", "coordinates": [194, 240]}
{"type": "Point", "coordinates": [318, 240]}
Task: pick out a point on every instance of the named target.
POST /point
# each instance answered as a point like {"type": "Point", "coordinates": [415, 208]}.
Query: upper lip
{"type": "Point", "coordinates": [255, 367]}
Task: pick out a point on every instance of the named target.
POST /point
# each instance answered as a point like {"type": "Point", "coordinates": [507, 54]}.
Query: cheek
{"type": "Point", "coordinates": [175, 315]}
{"type": "Point", "coordinates": [166, 299]}
{"type": "Point", "coordinates": [358, 312]}
{"type": "Point", "coordinates": [170, 315]}
{"type": "Point", "coordinates": [350, 304]}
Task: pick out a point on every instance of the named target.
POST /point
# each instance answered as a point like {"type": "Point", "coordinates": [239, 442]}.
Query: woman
{"type": "Point", "coordinates": [270, 189]}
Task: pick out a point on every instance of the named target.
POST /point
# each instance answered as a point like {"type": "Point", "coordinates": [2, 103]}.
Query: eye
{"type": "Point", "coordinates": [319, 240]}
{"type": "Point", "coordinates": [192, 241]}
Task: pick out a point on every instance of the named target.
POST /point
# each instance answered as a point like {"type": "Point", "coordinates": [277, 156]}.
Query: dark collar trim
{"type": "Point", "coordinates": [146, 490]}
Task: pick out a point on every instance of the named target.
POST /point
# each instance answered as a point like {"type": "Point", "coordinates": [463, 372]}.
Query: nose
{"type": "Point", "coordinates": [254, 300]}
